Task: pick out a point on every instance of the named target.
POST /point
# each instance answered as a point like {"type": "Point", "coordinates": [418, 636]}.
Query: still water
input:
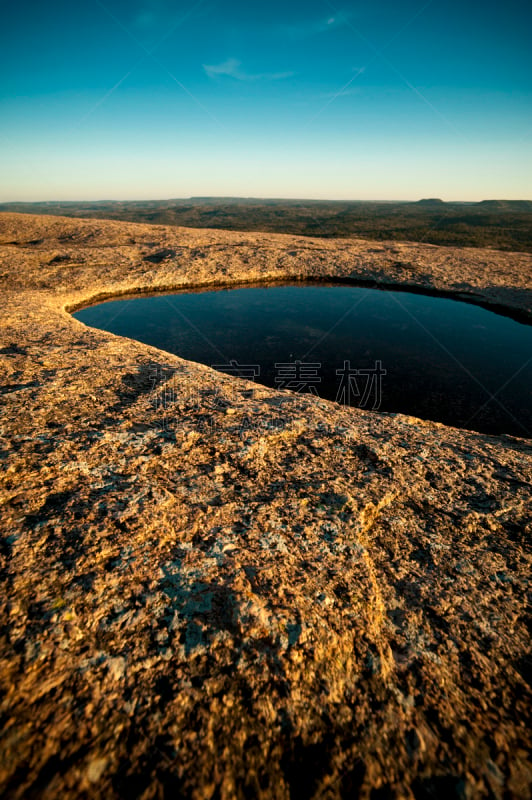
{"type": "Point", "coordinates": [429, 357]}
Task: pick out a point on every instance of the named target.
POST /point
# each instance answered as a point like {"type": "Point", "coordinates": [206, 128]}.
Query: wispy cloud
{"type": "Point", "coordinates": [232, 68]}
{"type": "Point", "coordinates": [316, 27]}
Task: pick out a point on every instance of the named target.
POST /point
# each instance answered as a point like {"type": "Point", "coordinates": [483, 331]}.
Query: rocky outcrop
{"type": "Point", "coordinates": [212, 589]}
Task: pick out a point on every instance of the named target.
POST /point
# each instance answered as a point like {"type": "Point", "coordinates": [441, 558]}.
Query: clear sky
{"type": "Point", "coordinates": [139, 99]}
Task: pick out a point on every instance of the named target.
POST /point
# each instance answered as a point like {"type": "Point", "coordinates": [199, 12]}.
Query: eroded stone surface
{"type": "Point", "coordinates": [241, 592]}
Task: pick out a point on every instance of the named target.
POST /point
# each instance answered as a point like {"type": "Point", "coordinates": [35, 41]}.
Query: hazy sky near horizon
{"type": "Point", "coordinates": [147, 99]}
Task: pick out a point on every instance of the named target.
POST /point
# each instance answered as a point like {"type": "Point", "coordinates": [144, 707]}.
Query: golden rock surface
{"type": "Point", "coordinates": [270, 596]}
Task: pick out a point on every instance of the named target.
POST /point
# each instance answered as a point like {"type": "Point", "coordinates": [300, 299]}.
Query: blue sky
{"type": "Point", "coordinates": [107, 99]}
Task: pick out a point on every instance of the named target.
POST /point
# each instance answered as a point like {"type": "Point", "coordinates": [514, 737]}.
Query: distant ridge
{"type": "Point", "coordinates": [501, 224]}
{"type": "Point", "coordinates": [505, 205]}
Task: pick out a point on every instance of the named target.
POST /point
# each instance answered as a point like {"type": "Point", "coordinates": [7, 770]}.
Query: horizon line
{"type": "Point", "coordinates": [269, 198]}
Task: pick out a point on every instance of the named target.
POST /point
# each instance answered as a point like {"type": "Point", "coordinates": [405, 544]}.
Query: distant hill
{"type": "Point", "coordinates": [431, 201]}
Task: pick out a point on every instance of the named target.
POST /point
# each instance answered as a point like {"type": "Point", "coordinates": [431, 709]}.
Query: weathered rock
{"type": "Point", "coordinates": [265, 596]}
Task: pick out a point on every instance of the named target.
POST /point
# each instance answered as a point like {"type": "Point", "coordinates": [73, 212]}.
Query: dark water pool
{"type": "Point", "coordinates": [430, 357]}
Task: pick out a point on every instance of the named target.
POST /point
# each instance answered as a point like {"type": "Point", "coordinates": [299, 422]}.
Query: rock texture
{"type": "Point", "coordinates": [214, 590]}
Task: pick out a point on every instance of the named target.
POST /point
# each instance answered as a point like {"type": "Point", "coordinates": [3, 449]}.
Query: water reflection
{"type": "Point", "coordinates": [430, 357]}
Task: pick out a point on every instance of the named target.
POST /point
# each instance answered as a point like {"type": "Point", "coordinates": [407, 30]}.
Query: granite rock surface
{"type": "Point", "coordinates": [212, 589]}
